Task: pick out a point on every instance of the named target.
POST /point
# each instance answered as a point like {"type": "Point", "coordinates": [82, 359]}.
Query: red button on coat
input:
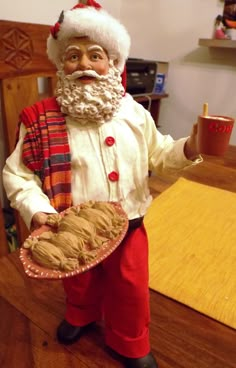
{"type": "Point", "coordinates": [110, 141]}
{"type": "Point", "coordinates": [113, 176]}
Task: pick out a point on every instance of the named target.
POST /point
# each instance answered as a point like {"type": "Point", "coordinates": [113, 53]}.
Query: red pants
{"type": "Point", "coordinates": [116, 291]}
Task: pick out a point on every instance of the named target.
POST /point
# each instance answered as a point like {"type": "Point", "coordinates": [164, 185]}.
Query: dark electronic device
{"type": "Point", "coordinates": [141, 76]}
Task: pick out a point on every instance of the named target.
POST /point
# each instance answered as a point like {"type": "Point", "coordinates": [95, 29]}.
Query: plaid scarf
{"type": "Point", "coordinates": [46, 150]}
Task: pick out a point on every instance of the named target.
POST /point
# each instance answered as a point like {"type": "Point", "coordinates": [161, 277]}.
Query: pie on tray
{"type": "Point", "coordinates": [74, 241]}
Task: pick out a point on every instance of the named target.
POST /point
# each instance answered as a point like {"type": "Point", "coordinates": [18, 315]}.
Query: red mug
{"type": "Point", "coordinates": [214, 132]}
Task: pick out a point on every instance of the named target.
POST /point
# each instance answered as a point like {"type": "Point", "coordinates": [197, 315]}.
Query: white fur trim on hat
{"type": "Point", "coordinates": [96, 24]}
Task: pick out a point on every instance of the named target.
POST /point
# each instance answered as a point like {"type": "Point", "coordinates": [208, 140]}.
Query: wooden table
{"type": "Point", "coordinates": [30, 310]}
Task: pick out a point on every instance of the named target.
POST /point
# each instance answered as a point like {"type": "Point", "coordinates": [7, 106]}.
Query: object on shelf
{"type": "Point", "coordinates": [231, 32]}
{"type": "Point", "coordinates": [160, 84]}
{"type": "Point", "coordinates": [162, 71]}
{"type": "Point", "coordinates": [142, 76]}
{"type": "Point", "coordinates": [220, 31]}
{"type": "Point", "coordinates": [229, 18]}
{"type": "Point", "coordinates": [229, 13]}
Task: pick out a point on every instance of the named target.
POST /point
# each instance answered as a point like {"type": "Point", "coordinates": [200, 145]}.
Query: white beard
{"type": "Point", "coordinates": [96, 102]}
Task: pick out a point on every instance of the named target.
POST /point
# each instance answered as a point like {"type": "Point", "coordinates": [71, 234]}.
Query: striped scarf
{"type": "Point", "coordinates": [46, 150]}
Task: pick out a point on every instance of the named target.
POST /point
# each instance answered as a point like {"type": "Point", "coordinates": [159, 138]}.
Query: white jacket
{"type": "Point", "coordinates": [110, 162]}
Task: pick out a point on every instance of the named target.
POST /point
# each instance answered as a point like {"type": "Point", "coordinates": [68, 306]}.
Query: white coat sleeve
{"type": "Point", "coordinates": [24, 188]}
{"type": "Point", "coordinates": [165, 153]}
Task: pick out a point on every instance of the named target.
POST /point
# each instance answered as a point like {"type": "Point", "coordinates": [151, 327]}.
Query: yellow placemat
{"type": "Point", "coordinates": [192, 238]}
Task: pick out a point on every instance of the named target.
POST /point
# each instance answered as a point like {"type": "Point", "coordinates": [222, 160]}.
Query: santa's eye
{"type": "Point", "coordinates": [74, 57]}
{"type": "Point", "coordinates": [95, 56]}
{"type": "Point", "coordinates": [71, 56]}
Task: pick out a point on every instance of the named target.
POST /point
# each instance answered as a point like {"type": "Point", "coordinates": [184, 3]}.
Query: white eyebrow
{"type": "Point", "coordinates": [72, 47]}
{"type": "Point", "coordinates": [95, 47]}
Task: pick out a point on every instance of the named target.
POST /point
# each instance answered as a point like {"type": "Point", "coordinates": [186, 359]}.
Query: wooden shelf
{"type": "Point", "coordinates": [208, 42]}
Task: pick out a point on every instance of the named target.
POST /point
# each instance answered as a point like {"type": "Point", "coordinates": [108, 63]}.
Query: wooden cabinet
{"type": "Point", "coordinates": [4, 249]}
{"type": "Point", "coordinates": [152, 103]}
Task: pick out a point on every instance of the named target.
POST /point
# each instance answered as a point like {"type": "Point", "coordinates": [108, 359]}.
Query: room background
{"type": "Point", "coordinates": [162, 30]}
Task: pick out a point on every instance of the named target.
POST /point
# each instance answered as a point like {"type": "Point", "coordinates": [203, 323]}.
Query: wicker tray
{"type": "Point", "coordinates": [34, 270]}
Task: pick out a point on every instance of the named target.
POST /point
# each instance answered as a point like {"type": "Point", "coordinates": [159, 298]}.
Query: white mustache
{"type": "Point", "coordinates": [85, 73]}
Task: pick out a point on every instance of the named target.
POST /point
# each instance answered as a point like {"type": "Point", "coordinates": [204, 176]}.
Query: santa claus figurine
{"type": "Point", "coordinates": [93, 141]}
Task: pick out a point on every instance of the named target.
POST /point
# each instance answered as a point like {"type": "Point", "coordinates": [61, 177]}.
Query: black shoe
{"type": "Point", "coordinates": [148, 361]}
{"type": "Point", "coordinates": [68, 334]}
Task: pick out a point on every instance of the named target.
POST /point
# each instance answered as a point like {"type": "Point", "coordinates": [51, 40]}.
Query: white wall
{"type": "Point", "coordinates": [164, 30]}
{"type": "Point", "coordinates": [112, 6]}
{"type": "Point", "coordinates": [34, 11]}
{"type": "Point", "coordinates": [168, 30]}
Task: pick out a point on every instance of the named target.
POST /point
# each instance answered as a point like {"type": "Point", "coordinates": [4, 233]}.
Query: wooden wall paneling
{"type": "Point", "coordinates": [23, 59]}
{"type": "Point", "coordinates": [16, 94]}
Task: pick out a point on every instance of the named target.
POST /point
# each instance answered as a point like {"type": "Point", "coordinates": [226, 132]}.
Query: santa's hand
{"type": "Point", "coordinates": [191, 150]}
{"type": "Point", "coordinates": [39, 219]}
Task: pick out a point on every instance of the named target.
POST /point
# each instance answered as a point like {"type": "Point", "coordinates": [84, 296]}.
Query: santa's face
{"type": "Point", "coordinates": [83, 54]}
{"type": "Point", "coordinates": [89, 87]}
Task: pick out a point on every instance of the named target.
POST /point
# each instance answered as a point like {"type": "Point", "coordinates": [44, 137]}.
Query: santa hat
{"type": "Point", "coordinates": [92, 21]}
